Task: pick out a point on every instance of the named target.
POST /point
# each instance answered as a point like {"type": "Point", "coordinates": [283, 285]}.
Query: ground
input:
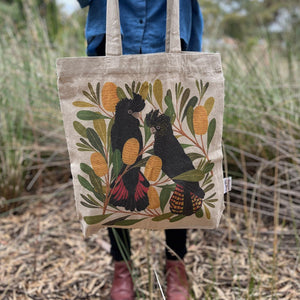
{"type": "Point", "coordinates": [43, 255]}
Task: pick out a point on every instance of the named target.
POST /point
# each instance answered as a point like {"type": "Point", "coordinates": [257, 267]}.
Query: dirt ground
{"type": "Point", "coordinates": [43, 255]}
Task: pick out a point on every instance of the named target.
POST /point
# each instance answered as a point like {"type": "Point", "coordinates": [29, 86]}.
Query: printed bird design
{"type": "Point", "coordinates": [187, 197]}
{"type": "Point", "coordinates": [129, 190]}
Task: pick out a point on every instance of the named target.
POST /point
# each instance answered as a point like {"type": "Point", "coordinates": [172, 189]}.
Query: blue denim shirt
{"type": "Point", "coordinates": [143, 25]}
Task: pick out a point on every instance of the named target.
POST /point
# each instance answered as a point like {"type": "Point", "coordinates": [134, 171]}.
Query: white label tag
{"type": "Point", "coordinates": [227, 184]}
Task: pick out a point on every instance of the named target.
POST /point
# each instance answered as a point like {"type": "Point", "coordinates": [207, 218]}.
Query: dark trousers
{"type": "Point", "coordinates": [121, 246]}
{"type": "Point", "coordinates": [120, 238]}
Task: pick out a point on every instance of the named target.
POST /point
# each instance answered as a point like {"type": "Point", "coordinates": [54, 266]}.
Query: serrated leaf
{"type": "Point", "coordinates": [95, 140]}
{"type": "Point", "coordinates": [211, 131]}
{"type": "Point", "coordinates": [199, 213]}
{"type": "Point", "coordinates": [86, 94]}
{"type": "Point", "coordinates": [79, 128]}
{"type": "Point", "coordinates": [90, 115]}
{"type": "Point", "coordinates": [164, 198]}
{"type": "Point", "coordinates": [85, 183]}
{"type": "Point", "coordinates": [184, 99]}
{"type": "Point", "coordinates": [83, 104]}
{"type": "Point", "coordinates": [189, 119]}
{"type": "Point", "coordinates": [177, 218]}
{"type": "Point", "coordinates": [191, 175]}
{"type": "Point", "coordinates": [117, 162]}
{"type": "Point", "coordinates": [207, 212]}
{"type": "Point", "coordinates": [192, 102]}
{"type": "Point", "coordinates": [162, 217]}
{"type": "Point", "coordinates": [158, 92]}
{"type": "Point", "coordinates": [121, 94]}
{"type": "Point", "coordinates": [100, 127]}
{"type": "Point", "coordinates": [91, 220]}
{"type": "Point", "coordinates": [209, 104]}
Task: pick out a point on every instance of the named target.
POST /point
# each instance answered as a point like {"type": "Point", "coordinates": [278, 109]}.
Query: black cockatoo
{"type": "Point", "coordinates": [130, 190]}
{"type": "Point", "coordinates": [187, 197]}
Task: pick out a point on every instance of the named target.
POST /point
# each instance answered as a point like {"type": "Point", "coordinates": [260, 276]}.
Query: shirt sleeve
{"type": "Point", "coordinates": [84, 3]}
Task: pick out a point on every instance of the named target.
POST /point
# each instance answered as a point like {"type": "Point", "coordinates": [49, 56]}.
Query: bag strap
{"type": "Point", "coordinates": [113, 45]}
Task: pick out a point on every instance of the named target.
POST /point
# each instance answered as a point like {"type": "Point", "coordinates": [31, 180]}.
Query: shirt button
{"type": "Point", "coordinates": [141, 21]}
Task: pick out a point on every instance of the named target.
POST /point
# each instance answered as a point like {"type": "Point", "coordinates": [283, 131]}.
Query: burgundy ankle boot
{"type": "Point", "coordinates": [177, 282]}
{"type": "Point", "coordinates": [122, 286]}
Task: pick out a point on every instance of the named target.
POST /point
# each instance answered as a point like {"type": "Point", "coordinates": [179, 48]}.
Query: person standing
{"type": "Point", "coordinates": [143, 28]}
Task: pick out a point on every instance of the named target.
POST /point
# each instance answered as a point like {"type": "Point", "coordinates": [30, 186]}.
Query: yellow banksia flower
{"type": "Point", "coordinates": [109, 96]}
{"type": "Point", "coordinates": [200, 120]}
{"type": "Point", "coordinates": [153, 198]}
{"type": "Point", "coordinates": [99, 164]}
{"type": "Point", "coordinates": [153, 168]}
{"type": "Point", "coordinates": [130, 151]}
{"type": "Point", "coordinates": [144, 90]}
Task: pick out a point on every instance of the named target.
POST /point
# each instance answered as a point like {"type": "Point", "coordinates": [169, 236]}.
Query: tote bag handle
{"type": "Point", "coordinates": [113, 34]}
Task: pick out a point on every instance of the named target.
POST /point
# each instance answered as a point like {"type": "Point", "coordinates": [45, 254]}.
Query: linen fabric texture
{"type": "Point", "coordinates": [144, 133]}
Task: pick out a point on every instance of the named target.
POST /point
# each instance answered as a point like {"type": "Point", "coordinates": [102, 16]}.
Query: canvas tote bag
{"type": "Point", "coordinates": [144, 133]}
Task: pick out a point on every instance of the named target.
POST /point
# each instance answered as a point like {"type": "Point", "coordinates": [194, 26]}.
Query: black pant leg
{"type": "Point", "coordinates": [176, 240]}
{"type": "Point", "coordinates": [124, 240]}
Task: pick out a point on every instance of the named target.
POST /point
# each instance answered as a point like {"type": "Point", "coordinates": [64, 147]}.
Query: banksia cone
{"type": "Point", "coordinates": [200, 120]}
{"type": "Point", "coordinates": [153, 198]}
{"type": "Point", "coordinates": [144, 90]}
{"type": "Point", "coordinates": [109, 96]}
{"type": "Point", "coordinates": [130, 151]}
{"type": "Point", "coordinates": [99, 164]}
{"type": "Point", "coordinates": [153, 168]}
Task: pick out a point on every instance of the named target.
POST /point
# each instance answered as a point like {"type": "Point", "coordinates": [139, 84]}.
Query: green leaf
{"type": "Point", "coordinates": [170, 110]}
{"type": "Point", "coordinates": [79, 128]}
{"type": "Point", "coordinates": [128, 222]}
{"type": "Point", "coordinates": [99, 196]}
{"type": "Point", "coordinates": [129, 90]}
{"type": "Point", "coordinates": [91, 220]}
{"type": "Point", "coordinates": [92, 91]}
{"type": "Point", "coordinates": [199, 213]}
{"type": "Point", "coordinates": [168, 186]}
{"type": "Point", "coordinates": [110, 125]}
{"type": "Point", "coordinates": [211, 196]}
{"type": "Point", "coordinates": [211, 131]}
{"type": "Point", "coordinates": [164, 198]}
{"type": "Point", "coordinates": [194, 156]}
{"type": "Point", "coordinates": [147, 133]}
{"type": "Point", "coordinates": [204, 89]}
{"type": "Point", "coordinates": [98, 93]}
{"type": "Point", "coordinates": [189, 118]}
{"type": "Point", "coordinates": [163, 217]}
{"type": "Point", "coordinates": [209, 187]}
{"type": "Point", "coordinates": [117, 162]}
{"type": "Point", "coordinates": [100, 127]}
{"type": "Point", "coordinates": [208, 167]}
{"type": "Point", "coordinates": [191, 175]}
{"type": "Point", "coordinates": [192, 102]}
{"type": "Point", "coordinates": [209, 104]}
{"type": "Point", "coordinates": [85, 183]}
{"type": "Point", "coordinates": [184, 146]}
{"type": "Point", "coordinates": [138, 87]}
{"type": "Point", "coordinates": [141, 163]}
{"type": "Point", "coordinates": [83, 104]}
{"type": "Point", "coordinates": [158, 92]}
{"type": "Point", "coordinates": [121, 94]}
{"type": "Point", "coordinates": [211, 200]}
{"type": "Point", "coordinates": [177, 218]}
{"type": "Point", "coordinates": [209, 204]}
{"type": "Point", "coordinates": [90, 115]}
{"type": "Point", "coordinates": [95, 140]}
{"type": "Point", "coordinates": [87, 148]}
{"type": "Point", "coordinates": [133, 86]}
{"type": "Point", "coordinates": [198, 87]}
{"type": "Point", "coordinates": [86, 94]}
{"type": "Point", "coordinates": [96, 182]}
{"type": "Point", "coordinates": [112, 222]}
{"type": "Point", "coordinates": [184, 99]}
{"type": "Point", "coordinates": [207, 212]}
{"type": "Point", "coordinates": [88, 205]}
{"type": "Point", "coordinates": [90, 200]}
{"type": "Point", "coordinates": [86, 168]}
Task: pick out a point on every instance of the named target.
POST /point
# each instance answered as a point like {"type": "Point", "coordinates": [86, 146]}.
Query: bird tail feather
{"type": "Point", "coordinates": [184, 202]}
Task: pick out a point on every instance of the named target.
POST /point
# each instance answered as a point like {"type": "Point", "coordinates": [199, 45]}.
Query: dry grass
{"type": "Point", "coordinates": [44, 256]}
